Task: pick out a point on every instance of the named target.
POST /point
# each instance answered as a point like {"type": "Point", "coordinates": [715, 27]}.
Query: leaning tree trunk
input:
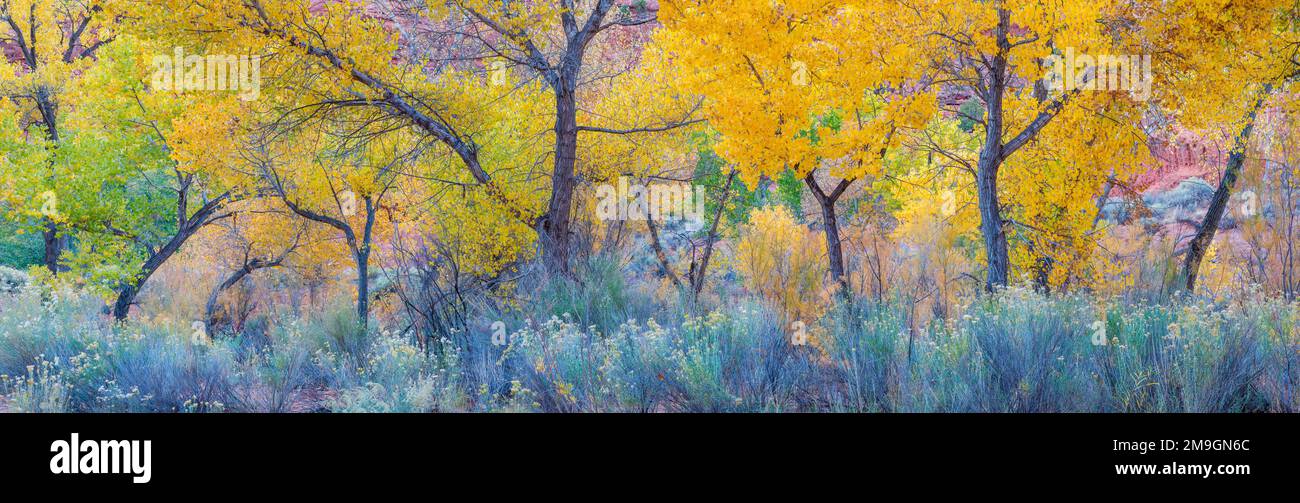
{"type": "Point", "coordinates": [127, 293]}
{"type": "Point", "coordinates": [186, 227]}
{"type": "Point", "coordinates": [699, 270]}
{"type": "Point", "coordinates": [555, 231]}
{"type": "Point", "coordinates": [661, 254]}
{"type": "Point", "coordinates": [210, 308]}
{"type": "Point", "coordinates": [1219, 203]}
{"type": "Point", "coordinates": [699, 274]}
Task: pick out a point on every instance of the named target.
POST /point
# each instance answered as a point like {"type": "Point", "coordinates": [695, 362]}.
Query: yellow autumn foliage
{"type": "Point", "coordinates": [784, 262]}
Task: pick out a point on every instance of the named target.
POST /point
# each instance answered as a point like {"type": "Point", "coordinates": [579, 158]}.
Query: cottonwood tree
{"type": "Point", "coordinates": [348, 54]}
{"type": "Point", "coordinates": [335, 56]}
{"type": "Point", "coordinates": [346, 174]}
{"type": "Point", "coordinates": [192, 187]}
{"type": "Point", "coordinates": [55, 41]}
{"type": "Point", "coordinates": [1219, 64]}
{"type": "Point", "coordinates": [1045, 150]}
{"type": "Point", "coordinates": [122, 194]}
{"type": "Point", "coordinates": [341, 74]}
{"type": "Point", "coordinates": [260, 237]}
{"type": "Point", "coordinates": [555, 42]}
{"type": "Point", "coordinates": [805, 85]}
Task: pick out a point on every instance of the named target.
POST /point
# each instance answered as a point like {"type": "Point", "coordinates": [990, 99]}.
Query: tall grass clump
{"type": "Point", "coordinates": [37, 324]}
{"type": "Point", "coordinates": [1020, 351]}
{"type": "Point", "coordinates": [596, 295]}
{"type": "Point", "coordinates": [372, 370]}
{"type": "Point", "coordinates": [396, 376]}
{"type": "Point", "coordinates": [866, 347]}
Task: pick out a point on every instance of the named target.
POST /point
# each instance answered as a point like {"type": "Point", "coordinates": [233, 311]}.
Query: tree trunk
{"type": "Point", "coordinates": [831, 227]}
{"type": "Point", "coordinates": [360, 247]}
{"type": "Point", "coordinates": [54, 244]}
{"type": "Point", "coordinates": [555, 225]}
{"type": "Point", "coordinates": [1042, 271]}
{"type": "Point", "coordinates": [1219, 203]}
{"type": "Point", "coordinates": [660, 254]}
{"type": "Point", "coordinates": [700, 273]}
{"type": "Point", "coordinates": [363, 290]}
{"type": "Point", "coordinates": [363, 268]}
{"type": "Point", "coordinates": [990, 161]}
{"type": "Point", "coordinates": [834, 248]}
{"type": "Point", "coordinates": [991, 223]}
{"type": "Point", "coordinates": [186, 228]}
{"type": "Point", "coordinates": [210, 308]}
{"type": "Point", "coordinates": [1288, 257]}
{"type": "Point", "coordinates": [125, 298]}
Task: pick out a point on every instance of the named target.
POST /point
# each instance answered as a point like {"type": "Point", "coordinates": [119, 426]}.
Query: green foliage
{"type": "Point", "coordinates": [789, 192]}
{"type": "Point", "coordinates": [711, 172]}
{"type": "Point", "coordinates": [19, 250]}
{"type": "Point", "coordinates": [970, 112]}
{"type": "Point", "coordinates": [109, 176]}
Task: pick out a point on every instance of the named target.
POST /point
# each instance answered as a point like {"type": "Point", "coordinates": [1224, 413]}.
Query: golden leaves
{"type": "Point", "coordinates": [791, 83]}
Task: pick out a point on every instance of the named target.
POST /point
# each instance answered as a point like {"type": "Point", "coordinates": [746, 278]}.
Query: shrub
{"type": "Point", "coordinates": [784, 262]}
{"type": "Point", "coordinates": [865, 344]}
{"type": "Point", "coordinates": [276, 369]}
{"type": "Point", "coordinates": [35, 324]}
{"type": "Point", "coordinates": [396, 376]}
{"type": "Point", "coordinates": [160, 371]}
{"type": "Point", "coordinates": [11, 280]}
{"type": "Point", "coordinates": [41, 390]}
{"type": "Point", "coordinates": [1015, 351]}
